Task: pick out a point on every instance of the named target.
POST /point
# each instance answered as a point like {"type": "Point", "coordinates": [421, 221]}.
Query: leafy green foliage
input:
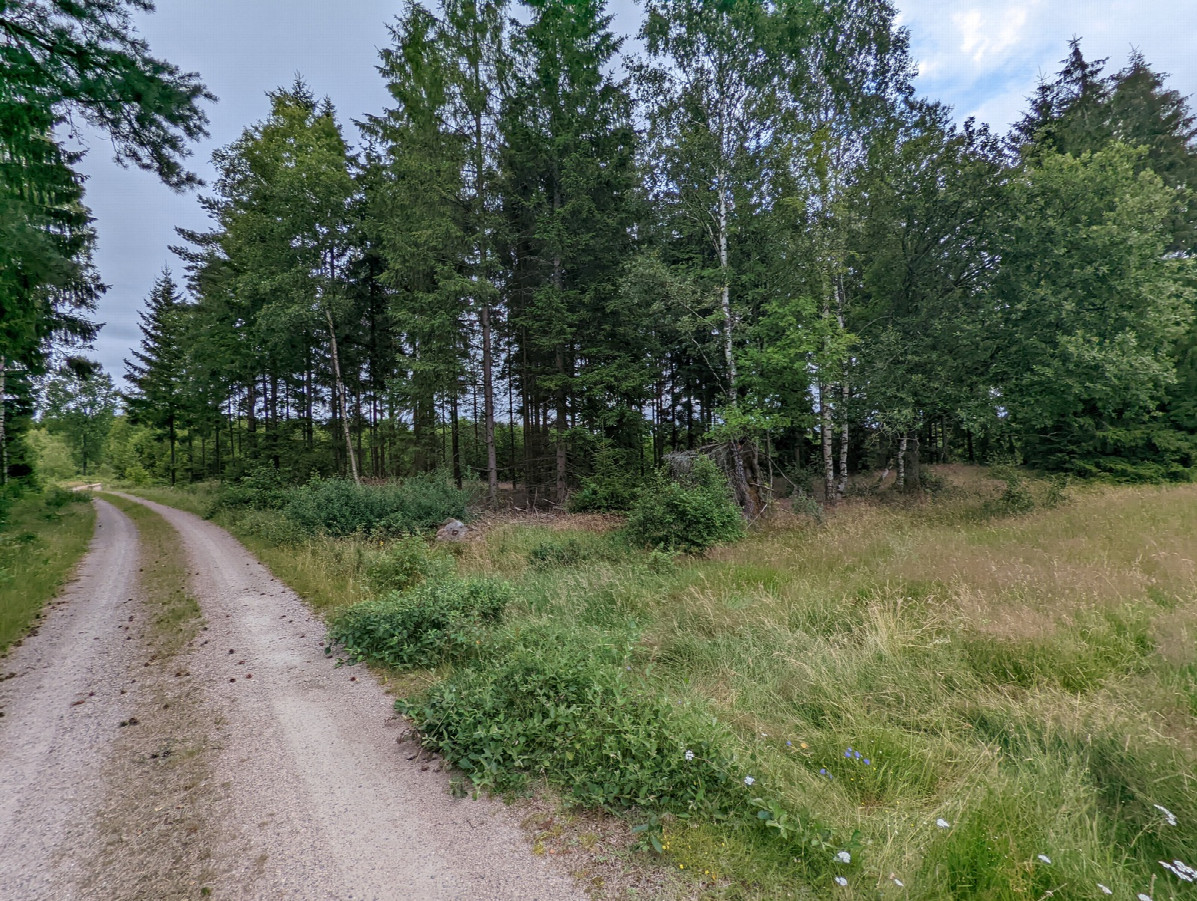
{"type": "Point", "coordinates": [405, 563]}
{"type": "Point", "coordinates": [693, 514]}
{"type": "Point", "coordinates": [424, 626]}
{"type": "Point", "coordinates": [338, 507]}
{"type": "Point", "coordinates": [549, 705]}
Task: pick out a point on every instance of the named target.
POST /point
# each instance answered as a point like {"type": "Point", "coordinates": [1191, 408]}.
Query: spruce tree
{"type": "Point", "coordinates": [161, 392]}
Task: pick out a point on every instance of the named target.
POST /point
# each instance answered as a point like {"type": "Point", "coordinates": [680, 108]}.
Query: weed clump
{"type": "Point", "coordinates": [339, 508]}
{"type": "Point", "coordinates": [404, 564]}
{"type": "Point", "coordinates": [555, 709]}
{"type": "Point", "coordinates": [433, 622]}
{"type": "Point", "coordinates": [693, 513]}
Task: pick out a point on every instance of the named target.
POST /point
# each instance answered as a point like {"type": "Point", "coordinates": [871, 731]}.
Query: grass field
{"type": "Point", "coordinates": [936, 700]}
{"type": "Point", "coordinates": [42, 538]}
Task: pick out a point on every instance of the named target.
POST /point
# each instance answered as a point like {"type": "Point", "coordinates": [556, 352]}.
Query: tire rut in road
{"type": "Point", "coordinates": [62, 709]}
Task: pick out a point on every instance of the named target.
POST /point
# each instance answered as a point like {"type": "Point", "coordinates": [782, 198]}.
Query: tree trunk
{"type": "Point", "coordinates": [171, 430]}
{"type": "Point", "coordinates": [456, 439]}
{"type": "Point", "coordinates": [743, 492]}
{"type": "Point", "coordinates": [841, 487]}
{"type": "Point", "coordinates": [339, 388]}
{"type": "Point", "coordinates": [562, 426]}
{"type": "Point", "coordinates": [488, 386]}
{"type": "Point", "coordinates": [3, 433]}
{"type": "Point", "coordinates": [902, 462]}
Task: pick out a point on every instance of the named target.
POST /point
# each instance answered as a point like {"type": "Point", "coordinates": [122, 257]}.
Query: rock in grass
{"type": "Point", "coordinates": [452, 530]}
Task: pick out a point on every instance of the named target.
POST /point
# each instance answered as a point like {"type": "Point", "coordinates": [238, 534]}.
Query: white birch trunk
{"type": "Point", "coordinates": [902, 462]}
{"type": "Point", "coordinates": [3, 433]}
{"type": "Point", "coordinates": [339, 388]}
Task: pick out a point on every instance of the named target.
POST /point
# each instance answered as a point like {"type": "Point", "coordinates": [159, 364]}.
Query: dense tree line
{"type": "Point", "coordinates": [551, 263]}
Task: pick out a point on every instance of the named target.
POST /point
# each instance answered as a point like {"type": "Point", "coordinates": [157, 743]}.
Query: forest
{"type": "Point", "coordinates": [562, 254]}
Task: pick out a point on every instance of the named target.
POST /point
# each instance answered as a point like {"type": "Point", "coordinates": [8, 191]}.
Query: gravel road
{"type": "Point", "coordinates": [299, 782]}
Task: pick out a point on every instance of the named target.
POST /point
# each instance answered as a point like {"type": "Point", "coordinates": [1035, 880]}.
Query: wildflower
{"type": "Point", "coordinates": [1169, 816]}
{"type": "Point", "coordinates": [898, 882]}
{"type": "Point", "coordinates": [789, 744]}
{"type": "Point", "coordinates": [748, 780]}
{"type": "Point", "coordinates": [689, 755]}
{"type": "Point", "coordinates": [1180, 870]}
{"type": "Point", "coordinates": [1105, 889]}
{"type": "Point", "coordinates": [1143, 896]}
{"type": "Point", "coordinates": [844, 857]}
{"type": "Point", "coordinates": [848, 753]}
{"type": "Point", "coordinates": [840, 880]}
{"type": "Point", "coordinates": [803, 745]}
{"type": "Point", "coordinates": [1045, 858]}
{"type": "Point", "coordinates": [942, 823]}
{"type": "Point", "coordinates": [858, 755]}
{"type": "Point", "coordinates": [867, 761]}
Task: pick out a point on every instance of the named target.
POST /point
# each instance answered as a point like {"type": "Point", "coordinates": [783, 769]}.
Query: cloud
{"type": "Point", "coordinates": [985, 57]}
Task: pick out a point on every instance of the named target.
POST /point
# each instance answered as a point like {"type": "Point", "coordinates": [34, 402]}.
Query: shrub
{"type": "Point", "coordinates": [341, 508]}
{"type": "Point", "coordinates": [57, 498]}
{"type": "Point", "coordinates": [403, 564]}
{"type": "Point", "coordinates": [690, 515]}
{"type": "Point", "coordinates": [427, 625]}
{"type": "Point", "coordinates": [555, 709]}
{"type": "Point", "coordinates": [573, 551]}
{"type": "Point", "coordinates": [612, 488]}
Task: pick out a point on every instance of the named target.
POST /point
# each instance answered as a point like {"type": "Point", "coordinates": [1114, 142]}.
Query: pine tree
{"type": "Point", "coordinates": [157, 372]}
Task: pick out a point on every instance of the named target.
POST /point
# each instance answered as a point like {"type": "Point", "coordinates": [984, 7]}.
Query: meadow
{"type": "Point", "coordinates": [988, 693]}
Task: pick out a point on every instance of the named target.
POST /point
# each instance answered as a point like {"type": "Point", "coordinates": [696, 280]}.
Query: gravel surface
{"type": "Point", "coordinates": [61, 711]}
{"type": "Point", "coordinates": [309, 788]}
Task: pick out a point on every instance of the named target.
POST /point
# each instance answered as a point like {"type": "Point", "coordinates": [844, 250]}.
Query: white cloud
{"type": "Point", "coordinates": [985, 57]}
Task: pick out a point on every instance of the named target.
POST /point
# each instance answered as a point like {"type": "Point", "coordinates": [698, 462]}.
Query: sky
{"type": "Point", "coordinates": [982, 57]}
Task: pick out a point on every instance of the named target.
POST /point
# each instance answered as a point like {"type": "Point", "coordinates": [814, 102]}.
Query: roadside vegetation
{"type": "Point", "coordinates": [43, 535]}
{"type": "Point", "coordinates": [986, 693]}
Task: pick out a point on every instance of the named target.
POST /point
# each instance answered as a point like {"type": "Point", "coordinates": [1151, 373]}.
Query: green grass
{"type": "Point", "coordinates": [1029, 679]}
{"type": "Point", "coordinates": [40, 545]}
{"type": "Point", "coordinates": [163, 579]}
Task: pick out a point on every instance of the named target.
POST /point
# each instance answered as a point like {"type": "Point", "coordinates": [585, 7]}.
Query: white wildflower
{"type": "Point", "coordinates": [844, 857]}
{"type": "Point", "coordinates": [689, 755]}
{"type": "Point", "coordinates": [840, 880]}
{"type": "Point", "coordinates": [1045, 858]}
{"type": "Point", "coordinates": [898, 882]}
{"type": "Point", "coordinates": [1105, 889]}
{"type": "Point", "coordinates": [1180, 870]}
{"type": "Point", "coordinates": [942, 823]}
{"type": "Point", "coordinates": [1143, 896]}
{"type": "Point", "coordinates": [748, 780]}
{"type": "Point", "coordinates": [1169, 816]}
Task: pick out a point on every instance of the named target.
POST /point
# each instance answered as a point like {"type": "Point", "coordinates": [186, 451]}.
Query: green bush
{"type": "Point", "coordinates": [431, 623]}
{"type": "Point", "coordinates": [57, 498]}
{"type": "Point", "coordinates": [690, 515]}
{"type": "Point", "coordinates": [405, 563]}
{"type": "Point", "coordinates": [612, 488]}
{"type": "Point", "coordinates": [574, 550]}
{"type": "Point", "coordinates": [551, 708]}
{"type": "Point", "coordinates": [341, 508]}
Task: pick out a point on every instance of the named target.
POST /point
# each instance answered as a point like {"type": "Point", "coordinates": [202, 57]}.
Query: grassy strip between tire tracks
{"type": "Point", "coordinates": [42, 540]}
{"type": "Point", "coordinates": [175, 616]}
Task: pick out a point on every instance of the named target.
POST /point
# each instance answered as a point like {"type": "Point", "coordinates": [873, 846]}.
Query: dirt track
{"type": "Point", "coordinates": [289, 778]}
